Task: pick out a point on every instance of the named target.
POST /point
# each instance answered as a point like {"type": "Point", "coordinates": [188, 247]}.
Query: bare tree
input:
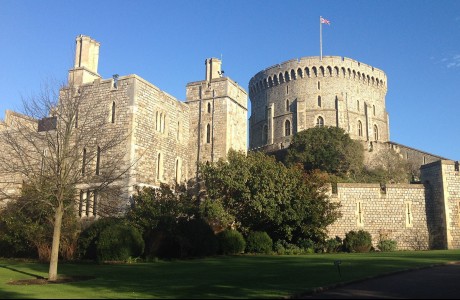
{"type": "Point", "coordinates": [393, 167]}
{"type": "Point", "coordinates": [66, 138]}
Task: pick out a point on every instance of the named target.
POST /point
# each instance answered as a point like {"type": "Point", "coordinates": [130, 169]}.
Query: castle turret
{"type": "Point", "coordinates": [86, 61]}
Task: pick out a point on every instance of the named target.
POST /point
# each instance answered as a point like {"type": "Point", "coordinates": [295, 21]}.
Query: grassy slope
{"type": "Point", "coordinates": [220, 277]}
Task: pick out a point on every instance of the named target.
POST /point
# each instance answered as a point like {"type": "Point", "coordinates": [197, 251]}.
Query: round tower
{"type": "Point", "coordinates": [307, 92]}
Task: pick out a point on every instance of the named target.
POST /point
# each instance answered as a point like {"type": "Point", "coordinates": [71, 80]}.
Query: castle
{"type": "Point", "coordinates": [168, 138]}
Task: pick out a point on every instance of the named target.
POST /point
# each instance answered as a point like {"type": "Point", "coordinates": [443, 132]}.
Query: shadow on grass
{"type": "Point", "coordinates": [22, 272]}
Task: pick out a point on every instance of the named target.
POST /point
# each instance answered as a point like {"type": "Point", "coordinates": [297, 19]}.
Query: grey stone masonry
{"type": "Point", "coordinates": [394, 211]}
{"type": "Point", "coordinates": [300, 94]}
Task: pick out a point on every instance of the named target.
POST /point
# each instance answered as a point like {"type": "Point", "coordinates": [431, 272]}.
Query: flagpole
{"type": "Point", "coordinates": [320, 40]}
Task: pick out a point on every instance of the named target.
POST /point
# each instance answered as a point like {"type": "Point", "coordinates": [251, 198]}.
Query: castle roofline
{"type": "Point", "coordinates": [339, 61]}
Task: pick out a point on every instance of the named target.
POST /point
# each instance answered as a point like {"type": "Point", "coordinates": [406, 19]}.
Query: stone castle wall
{"type": "Point", "coordinates": [443, 183]}
{"type": "Point", "coordinates": [352, 96]}
{"type": "Point", "coordinates": [160, 136]}
{"type": "Point", "coordinates": [397, 211]}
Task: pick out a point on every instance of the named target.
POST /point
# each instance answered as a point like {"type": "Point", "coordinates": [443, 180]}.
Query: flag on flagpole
{"type": "Point", "coordinates": [324, 21]}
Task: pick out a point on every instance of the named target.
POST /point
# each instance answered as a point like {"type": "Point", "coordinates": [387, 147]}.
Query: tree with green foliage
{"type": "Point", "coordinates": [329, 149]}
{"type": "Point", "coordinates": [262, 194]}
{"type": "Point", "coordinates": [171, 223]}
{"type": "Point", "coordinates": [389, 167]}
{"type": "Point", "coordinates": [26, 225]}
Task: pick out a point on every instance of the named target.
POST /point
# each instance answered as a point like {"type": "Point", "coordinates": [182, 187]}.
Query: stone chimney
{"type": "Point", "coordinates": [213, 68]}
{"type": "Point", "coordinates": [86, 61]}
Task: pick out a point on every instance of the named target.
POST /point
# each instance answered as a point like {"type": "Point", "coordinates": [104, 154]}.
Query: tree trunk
{"type": "Point", "coordinates": [52, 274]}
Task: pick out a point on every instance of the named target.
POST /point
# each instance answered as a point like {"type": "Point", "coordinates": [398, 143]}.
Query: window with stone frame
{"type": "Point", "coordinates": [208, 133]}
{"type": "Point", "coordinates": [359, 213]}
{"type": "Point", "coordinates": [319, 122]}
{"type": "Point", "coordinates": [287, 128]}
{"type": "Point", "coordinates": [409, 215]}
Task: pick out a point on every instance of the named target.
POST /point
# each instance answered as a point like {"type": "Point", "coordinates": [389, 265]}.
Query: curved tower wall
{"type": "Point", "coordinates": [285, 100]}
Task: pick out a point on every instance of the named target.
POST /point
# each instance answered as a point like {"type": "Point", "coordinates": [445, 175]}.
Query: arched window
{"type": "Point", "coordinates": [208, 133]}
{"type": "Point", "coordinates": [275, 79]}
{"type": "Point", "coordinates": [373, 109]}
{"type": "Point", "coordinates": [321, 70]}
{"type": "Point", "coordinates": [281, 78]}
{"type": "Point", "coordinates": [319, 101]}
{"type": "Point", "coordinates": [83, 165]}
{"type": "Point", "coordinates": [265, 134]}
{"type": "Point", "coordinates": [159, 166]}
{"type": "Point", "coordinates": [293, 75]}
{"type": "Point", "coordinates": [357, 104]}
{"type": "Point", "coordinates": [209, 108]}
{"type": "Point", "coordinates": [299, 73]}
{"type": "Point", "coordinates": [360, 128]}
{"type": "Point", "coordinates": [319, 85]}
{"type": "Point", "coordinates": [307, 72]}
{"type": "Point", "coordinates": [319, 122]}
{"type": "Point", "coordinates": [376, 133]}
{"type": "Point", "coordinates": [287, 105]}
{"type": "Point", "coordinates": [329, 71]}
{"type": "Point", "coordinates": [113, 112]}
{"type": "Point", "coordinates": [287, 128]}
{"type": "Point", "coordinates": [164, 123]}
{"type": "Point", "coordinates": [98, 159]}
{"type": "Point", "coordinates": [270, 81]}
{"type": "Point", "coordinates": [286, 76]}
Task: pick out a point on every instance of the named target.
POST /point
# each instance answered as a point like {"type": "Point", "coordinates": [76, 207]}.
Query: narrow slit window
{"type": "Point", "coordinates": [158, 165]}
{"type": "Point", "coordinates": [83, 165]}
{"type": "Point", "coordinates": [113, 112]}
{"type": "Point", "coordinates": [208, 133]}
{"type": "Point", "coordinates": [98, 160]}
{"type": "Point", "coordinates": [359, 209]}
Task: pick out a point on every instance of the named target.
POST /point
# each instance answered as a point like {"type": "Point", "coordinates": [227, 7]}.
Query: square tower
{"type": "Point", "coordinates": [218, 115]}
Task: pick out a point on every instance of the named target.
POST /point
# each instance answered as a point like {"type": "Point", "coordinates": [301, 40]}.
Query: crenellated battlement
{"type": "Point", "coordinates": [313, 67]}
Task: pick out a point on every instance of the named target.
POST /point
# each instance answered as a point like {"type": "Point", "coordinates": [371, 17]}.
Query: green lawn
{"type": "Point", "coordinates": [220, 277]}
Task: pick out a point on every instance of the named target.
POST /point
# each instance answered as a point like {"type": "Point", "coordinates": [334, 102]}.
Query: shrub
{"type": "Point", "coordinates": [231, 242]}
{"type": "Point", "coordinates": [387, 245]}
{"type": "Point", "coordinates": [259, 242]}
{"type": "Point", "coordinates": [360, 241]}
{"type": "Point", "coordinates": [307, 245]}
{"type": "Point", "coordinates": [279, 248]}
{"type": "Point", "coordinates": [284, 248]}
{"type": "Point", "coordinates": [196, 238]}
{"type": "Point", "coordinates": [119, 243]}
{"type": "Point", "coordinates": [334, 245]}
{"type": "Point", "coordinates": [88, 239]}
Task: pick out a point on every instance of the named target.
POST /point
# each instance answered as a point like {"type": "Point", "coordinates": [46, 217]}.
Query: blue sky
{"type": "Point", "coordinates": [416, 43]}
